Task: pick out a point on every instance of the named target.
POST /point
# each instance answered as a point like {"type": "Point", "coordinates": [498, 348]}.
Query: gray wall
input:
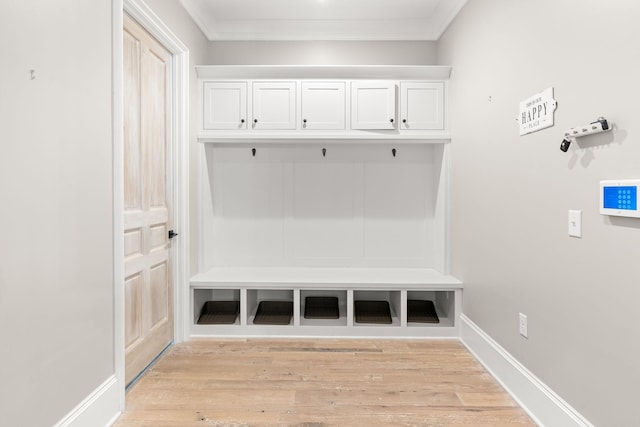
{"type": "Point", "coordinates": [322, 53]}
{"type": "Point", "coordinates": [511, 194]}
{"type": "Point", "coordinates": [176, 18]}
{"type": "Point", "coordinates": [56, 255]}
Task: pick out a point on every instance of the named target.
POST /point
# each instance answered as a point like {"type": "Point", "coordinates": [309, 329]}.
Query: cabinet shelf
{"type": "Point", "coordinates": [329, 138]}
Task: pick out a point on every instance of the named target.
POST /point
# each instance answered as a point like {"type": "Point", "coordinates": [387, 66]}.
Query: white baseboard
{"type": "Point", "coordinates": [541, 403]}
{"type": "Point", "coordinates": [100, 408]}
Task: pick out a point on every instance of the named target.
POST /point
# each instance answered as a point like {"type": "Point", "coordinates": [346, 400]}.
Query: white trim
{"type": "Point", "coordinates": [100, 408]}
{"type": "Point", "coordinates": [198, 18]}
{"type": "Point", "coordinates": [541, 403]}
{"type": "Point", "coordinates": [118, 195]}
{"type": "Point", "coordinates": [437, 32]}
{"type": "Point", "coordinates": [347, 28]}
{"type": "Point", "coordinates": [181, 194]}
{"type": "Point", "coordinates": [355, 72]}
{"type": "Point", "coordinates": [146, 17]}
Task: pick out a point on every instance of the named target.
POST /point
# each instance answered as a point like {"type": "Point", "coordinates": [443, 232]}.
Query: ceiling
{"type": "Point", "coordinates": [323, 19]}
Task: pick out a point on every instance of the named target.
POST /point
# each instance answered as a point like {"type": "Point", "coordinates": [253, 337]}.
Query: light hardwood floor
{"type": "Point", "coordinates": [319, 383]}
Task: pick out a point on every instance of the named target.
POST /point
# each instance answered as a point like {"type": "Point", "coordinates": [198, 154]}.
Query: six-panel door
{"type": "Point", "coordinates": [323, 106]}
{"type": "Point", "coordinates": [422, 105]}
{"type": "Point", "coordinates": [224, 106]}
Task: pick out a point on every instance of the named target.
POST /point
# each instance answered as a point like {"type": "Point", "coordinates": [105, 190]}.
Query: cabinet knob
{"type": "Point", "coordinates": [241, 120]}
{"type": "Point", "coordinates": [255, 120]}
{"type": "Point", "coordinates": [304, 120]}
{"type": "Point", "coordinates": [391, 120]}
{"type": "Point", "coordinates": [404, 120]}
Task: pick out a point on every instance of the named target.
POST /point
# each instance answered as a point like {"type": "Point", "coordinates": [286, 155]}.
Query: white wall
{"type": "Point", "coordinates": [56, 255]}
{"type": "Point", "coordinates": [322, 53]}
{"type": "Point", "coordinates": [510, 194]}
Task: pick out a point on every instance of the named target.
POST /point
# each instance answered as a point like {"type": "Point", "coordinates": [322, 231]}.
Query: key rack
{"type": "Point", "coordinates": [600, 125]}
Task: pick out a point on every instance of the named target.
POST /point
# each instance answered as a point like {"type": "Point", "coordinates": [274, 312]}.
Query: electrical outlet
{"type": "Point", "coordinates": [523, 325]}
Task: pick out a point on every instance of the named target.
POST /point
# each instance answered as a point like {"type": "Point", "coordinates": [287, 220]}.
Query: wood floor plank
{"type": "Point", "coordinates": [266, 382]}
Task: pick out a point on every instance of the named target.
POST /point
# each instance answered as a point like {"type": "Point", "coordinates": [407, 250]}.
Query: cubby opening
{"type": "Point", "coordinates": [443, 301]}
{"type": "Point", "coordinates": [321, 309]}
{"type": "Point", "coordinates": [278, 305]}
{"type": "Point", "coordinates": [225, 309]}
{"type": "Point", "coordinates": [370, 308]}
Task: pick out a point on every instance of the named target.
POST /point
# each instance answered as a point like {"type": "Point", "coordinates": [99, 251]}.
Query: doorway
{"type": "Point", "coordinates": [152, 270]}
{"type": "Point", "coordinates": [148, 201]}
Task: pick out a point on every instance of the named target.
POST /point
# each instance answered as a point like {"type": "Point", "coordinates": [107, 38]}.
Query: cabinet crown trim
{"type": "Point", "coordinates": [396, 72]}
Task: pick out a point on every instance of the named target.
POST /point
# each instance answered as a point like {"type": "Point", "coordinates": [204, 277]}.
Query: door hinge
{"type": "Point", "coordinates": [172, 234]}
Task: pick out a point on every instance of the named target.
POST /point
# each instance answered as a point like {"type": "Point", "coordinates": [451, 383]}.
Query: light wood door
{"type": "Point", "coordinates": [225, 105]}
{"type": "Point", "coordinates": [274, 105]}
{"type": "Point", "coordinates": [373, 105]}
{"type": "Point", "coordinates": [422, 105]}
{"type": "Point", "coordinates": [323, 105]}
{"type": "Point", "coordinates": [147, 217]}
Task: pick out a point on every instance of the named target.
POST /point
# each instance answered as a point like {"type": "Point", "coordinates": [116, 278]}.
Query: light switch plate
{"type": "Point", "coordinates": [523, 326]}
{"type": "Point", "coordinates": [575, 223]}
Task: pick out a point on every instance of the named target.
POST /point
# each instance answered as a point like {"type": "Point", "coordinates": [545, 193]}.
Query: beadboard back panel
{"type": "Point", "coordinates": [336, 206]}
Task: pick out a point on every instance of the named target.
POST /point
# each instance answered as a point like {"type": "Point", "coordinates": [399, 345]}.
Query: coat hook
{"type": "Point", "coordinates": [33, 74]}
{"type": "Point", "coordinates": [324, 152]}
{"type": "Point", "coordinates": [393, 151]}
{"type": "Point", "coordinates": [253, 152]}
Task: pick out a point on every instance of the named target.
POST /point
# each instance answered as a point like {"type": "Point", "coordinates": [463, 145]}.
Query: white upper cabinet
{"type": "Point", "coordinates": [224, 105]}
{"type": "Point", "coordinates": [422, 105]}
{"type": "Point", "coordinates": [274, 105]}
{"type": "Point", "coordinates": [323, 106]}
{"type": "Point", "coordinates": [373, 105]}
{"type": "Point", "coordinates": [298, 104]}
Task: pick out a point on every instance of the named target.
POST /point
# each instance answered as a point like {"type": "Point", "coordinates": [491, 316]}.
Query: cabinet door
{"type": "Point", "coordinates": [274, 105]}
{"type": "Point", "coordinates": [323, 105]}
{"type": "Point", "coordinates": [373, 105]}
{"type": "Point", "coordinates": [422, 105]}
{"type": "Point", "coordinates": [224, 105]}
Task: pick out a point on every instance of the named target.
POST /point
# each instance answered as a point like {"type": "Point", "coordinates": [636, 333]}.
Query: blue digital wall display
{"type": "Point", "coordinates": [625, 198]}
{"type": "Point", "coordinates": [620, 197]}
